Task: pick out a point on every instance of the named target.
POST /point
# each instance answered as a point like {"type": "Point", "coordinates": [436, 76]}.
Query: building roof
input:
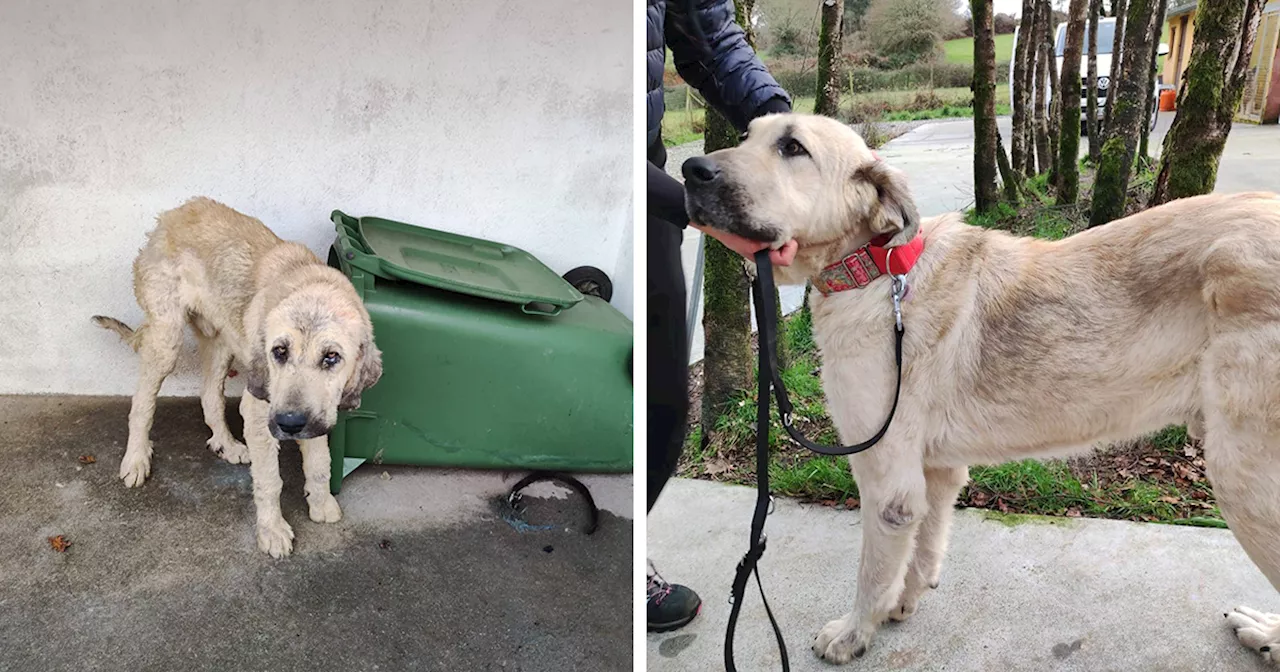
{"type": "Point", "coordinates": [1180, 7]}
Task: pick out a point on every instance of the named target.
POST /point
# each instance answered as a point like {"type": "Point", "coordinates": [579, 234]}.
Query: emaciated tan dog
{"type": "Point", "coordinates": [259, 301]}
{"type": "Point", "coordinates": [1015, 347]}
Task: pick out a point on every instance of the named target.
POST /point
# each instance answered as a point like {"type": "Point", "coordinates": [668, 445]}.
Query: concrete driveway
{"type": "Point", "coordinates": [1060, 594]}
{"type": "Point", "coordinates": [420, 574]}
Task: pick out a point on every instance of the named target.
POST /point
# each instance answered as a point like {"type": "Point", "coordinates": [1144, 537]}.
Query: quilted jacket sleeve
{"type": "Point", "coordinates": [724, 68]}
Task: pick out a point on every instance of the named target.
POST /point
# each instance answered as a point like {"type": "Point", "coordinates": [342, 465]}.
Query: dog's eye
{"type": "Point", "coordinates": [792, 147]}
{"type": "Point", "coordinates": [281, 353]}
{"type": "Point", "coordinates": [330, 360]}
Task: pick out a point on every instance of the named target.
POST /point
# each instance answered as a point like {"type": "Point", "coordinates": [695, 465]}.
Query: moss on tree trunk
{"type": "Point", "coordinates": [1069, 108]}
{"type": "Point", "coordinates": [1212, 88]}
{"type": "Point", "coordinates": [726, 316]}
{"type": "Point", "coordinates": [984, 106]}
{"type": "Point", "coordinates": [1023, 64]}
{"type": "Point", "coordinates": [1042, 77]}
{"type": "Point", "coordinates": [1111, 182]}
{"type": "Point", "coordinates": [1118, 10]}
{"type": "Point", "coordinates": [828, 102]}
{"type": "Point", "coordinates": [1048, 52]}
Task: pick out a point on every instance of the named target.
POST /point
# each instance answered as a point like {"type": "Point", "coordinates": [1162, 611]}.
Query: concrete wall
{"type": "Point", "coordinates": [504, 120]}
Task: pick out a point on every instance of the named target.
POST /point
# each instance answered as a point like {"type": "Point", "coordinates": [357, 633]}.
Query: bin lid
{"type": "Point", "coordinates": [450, 261]}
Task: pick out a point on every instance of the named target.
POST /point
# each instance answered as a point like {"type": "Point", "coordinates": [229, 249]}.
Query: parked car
{"type": "Point", "coordinates": [1106, 38]}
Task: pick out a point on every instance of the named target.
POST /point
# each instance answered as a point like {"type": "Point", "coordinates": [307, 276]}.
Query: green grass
{"type": "Point", "coordinates": [960, 50]}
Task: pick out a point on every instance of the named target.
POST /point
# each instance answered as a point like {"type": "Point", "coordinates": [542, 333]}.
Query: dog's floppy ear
{"type": "Point", "coordinates": [366, 374]}
{"type": "Point", "coordinates": [255, 379]}
{"type": "Point", "coordinates": [897, 212]}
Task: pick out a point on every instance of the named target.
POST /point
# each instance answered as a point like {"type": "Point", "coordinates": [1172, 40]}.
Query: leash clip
{"type": "Point", "coordinates": [899, 290]}
{"type": "Point", "coordinates": [899, 287]}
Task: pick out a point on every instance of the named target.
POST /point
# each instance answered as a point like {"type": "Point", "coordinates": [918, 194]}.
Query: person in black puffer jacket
{"type": "Point", "coordinates": [713, 57]}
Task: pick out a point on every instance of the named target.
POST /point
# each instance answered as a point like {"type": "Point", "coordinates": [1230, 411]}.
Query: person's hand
{"type": "Point", "coordinates": [748, 248]}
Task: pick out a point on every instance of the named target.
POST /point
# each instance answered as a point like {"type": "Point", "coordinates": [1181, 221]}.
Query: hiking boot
{"type": "Point", "coordinates": [670, 606]}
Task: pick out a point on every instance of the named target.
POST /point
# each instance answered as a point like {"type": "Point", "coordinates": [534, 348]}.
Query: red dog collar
{"type": "Point", "coordinates": [868, 263]}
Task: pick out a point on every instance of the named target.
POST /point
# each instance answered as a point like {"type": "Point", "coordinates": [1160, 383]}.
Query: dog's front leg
{"type": "Point", "coordinates": [275, 537]}
{"type": "Point", "coordinates": [893, 506]}
{"type": "Point", "coordinates": [315, 467]}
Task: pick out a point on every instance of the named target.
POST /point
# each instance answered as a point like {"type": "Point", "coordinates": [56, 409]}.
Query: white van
{"type": "Point", "coordinates": [1106, 38]}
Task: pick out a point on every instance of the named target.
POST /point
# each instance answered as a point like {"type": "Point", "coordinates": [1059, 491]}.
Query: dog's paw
{"type": "Point", "coordinates": [135, 468]}
{"type": "Point", "coordinates": [905, 608]}
{"type": "Point", "coordinates": [324, 508]}
{"type": "Point", "coordinates": [1258, 631]}
{"type": "Point", "coordinates": [275, 538]}
{"type": "Point", "coordinates": [838, 643]}
{"type": "Point", "coordinates": [230, 450]}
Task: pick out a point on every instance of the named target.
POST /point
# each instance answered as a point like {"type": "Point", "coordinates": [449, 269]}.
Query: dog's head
{"type": "Point", "coordinates": [800, 177]}
{"type": "Point", "coordinates": [313, 353]}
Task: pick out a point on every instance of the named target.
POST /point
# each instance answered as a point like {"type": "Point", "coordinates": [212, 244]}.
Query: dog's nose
{"type": "Point", "coordinates": [701, 170]}
{"type": "Point", "coordinates": [291, 423]}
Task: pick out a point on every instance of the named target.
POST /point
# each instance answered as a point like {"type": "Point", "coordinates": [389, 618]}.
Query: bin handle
{"type": "Point", "coordinates": [532, 308]}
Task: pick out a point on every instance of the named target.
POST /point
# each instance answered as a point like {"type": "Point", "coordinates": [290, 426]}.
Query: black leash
{"type": "Point", "coordinates": [769, 376]}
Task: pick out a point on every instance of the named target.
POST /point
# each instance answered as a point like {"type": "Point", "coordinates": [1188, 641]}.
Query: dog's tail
{"type": "Point", "coordinates": [126, 333]}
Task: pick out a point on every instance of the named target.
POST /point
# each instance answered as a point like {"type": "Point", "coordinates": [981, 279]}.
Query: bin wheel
{"type": "Point", "coordinates": [590, 280]}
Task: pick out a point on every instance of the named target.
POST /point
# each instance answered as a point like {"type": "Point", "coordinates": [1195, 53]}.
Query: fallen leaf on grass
{"type": "Point", "coordinates": [979, 498]}
{"type": "Point", "coordinates": [852, 503]}
{"type": "Point", "coordinates": [717, 466]}
{"type": "Point", "coordinates": [59, 543]}
{"type": "Point", "coordinates": [1004, 508]}
{"type": "Point", "coordinates": [828, 502]}
{"type": "Point", "coordinates": [1073, 512]}
{"type": "Point", "coordinates": [87, 459]}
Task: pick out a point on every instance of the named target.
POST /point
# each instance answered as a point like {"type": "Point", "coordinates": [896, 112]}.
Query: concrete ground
{"type": "Point", "coordinates": [420, 574]}
{"type": "Point", "coordinates": [1049, 594]}
{"type": "Point", "coordinates": [938, 160]}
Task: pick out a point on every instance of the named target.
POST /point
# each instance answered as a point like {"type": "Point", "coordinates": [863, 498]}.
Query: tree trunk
{"type": "Point", "coordinates": [1117, 52]}
{"type": "Point", "coordinates": [1211, 91]}
{"type": "Point", "coordinates": [828, 102]}
{"type": "Point", "coordinates": [1009, 177]}
{"type": "Point", "coordinates": [1069, 106]}
{"type": "Point", "coordinates": [1091, 84]}
{"type": "Point", "coordinates": [1023, 63]}
{"type": "Point", "coordinates": [1111, 184]}
{"type": "Point", "coordinates": [1149, 94]}
{"type": "Point", "coordinates": [1048, 51]}
{"type": "Point", "coordinates": [726, 315]}
{"type": "Point", "coordinates": [984, 106]}
{"type": "Point", "coordinates": [1042, 77]}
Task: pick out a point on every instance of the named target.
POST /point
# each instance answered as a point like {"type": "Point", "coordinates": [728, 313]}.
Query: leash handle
{"type": "Point", "coordinates": [762, 298]}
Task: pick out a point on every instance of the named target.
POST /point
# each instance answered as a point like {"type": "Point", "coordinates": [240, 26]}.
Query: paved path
{"type": "Point", "coordinates": [1055, 594]}
{"type": "Point", "coordinates": [938, 160]}
{"type": "Point", "coordinates": [420, 573]}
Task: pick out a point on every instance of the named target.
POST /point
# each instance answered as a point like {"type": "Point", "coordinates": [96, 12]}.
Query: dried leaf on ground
{"type": "Point", "coordinates": [59, 543]}
{"type": "Point", "coordinates": [717, 466]}
{"type": "Point", "coordinates": [87, 459]}
{"type": "Point", "coordinates": [852, 503]}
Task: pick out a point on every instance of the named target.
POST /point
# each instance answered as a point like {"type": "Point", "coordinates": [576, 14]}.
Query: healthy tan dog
{"type": "Point", "coordinates": [255, 299]}
{"type": "Point", "coordinates": [1015, 347]}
